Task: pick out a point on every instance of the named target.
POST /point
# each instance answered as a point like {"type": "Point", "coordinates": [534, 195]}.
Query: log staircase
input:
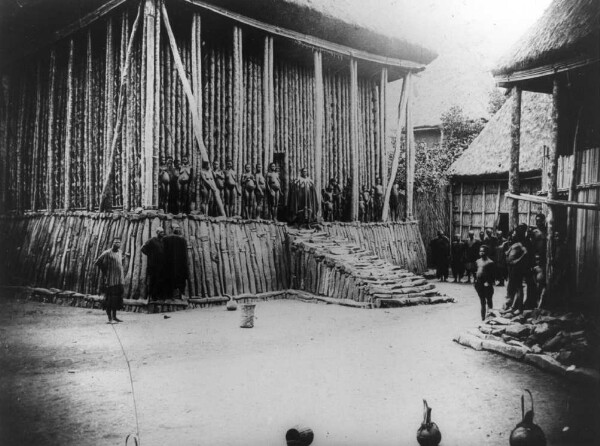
{"type": "Point", "coordinates": [335, 269]}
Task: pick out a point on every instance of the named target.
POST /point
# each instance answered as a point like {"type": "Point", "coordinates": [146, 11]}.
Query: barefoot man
{"type": "Point", "coordinates": [110, 264]}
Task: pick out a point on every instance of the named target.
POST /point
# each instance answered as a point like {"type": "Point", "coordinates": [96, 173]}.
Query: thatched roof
{"type": "Point", "coordinates": [456, 78]}
{"type": "Point", "coordinates": [568, 30]}
{"type": "Point", "coordinates": [489, 153]}
{"type": "Point", "coordinates": [28, 24]}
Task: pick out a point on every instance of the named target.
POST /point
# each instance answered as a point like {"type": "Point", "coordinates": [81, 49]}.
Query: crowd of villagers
{"type": "Point", "coordinates": [491, 259]}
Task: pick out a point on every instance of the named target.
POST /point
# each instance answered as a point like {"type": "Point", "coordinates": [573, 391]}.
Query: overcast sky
{"type": "Point", "coordinates": [486, 26]}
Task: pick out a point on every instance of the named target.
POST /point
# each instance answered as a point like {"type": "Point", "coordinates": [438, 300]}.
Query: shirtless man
{"type": "Point", "coordinates": [337, 198]}
{"type": "Point", "coordinates": [208, 185]}
{"type": "Point", "coordinates": [395, 202]}
{"type": "Point", "coordinates": [231, 185]}
{"type": "Point", "coordinates": [164, 181]}
{"type": "Point", "coordinates": [484, 280]}
{"type": "Point", "coordinates": [274, 190]}
{"type": "Point", "coordinates": [185, 178]}
{"type": "Point", "coordinates": [248, 187]}
{"type": "Point", "coordinates": [260, 191]}
{"type": "Point", "coordinates": [368, 204]}
{"type": "Point", "coordinates": [173, 171]}
{"type": "Point", "coordinates": [378, 194]}
{"type": "Point", "coordinates": [219, 176]}
{"type": "Point", "coordinates": [327, 203]}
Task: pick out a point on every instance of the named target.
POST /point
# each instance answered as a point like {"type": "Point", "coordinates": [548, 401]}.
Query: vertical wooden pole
{"type": "Point", "coordinates": [461, 210]}
{"type": "Point", "coordinates": [383, 125]}
{"type": "Point", "coordinates": [238, 98]}
{"type": "Point", "coordinates": [354, 139]}
{"type": "Point", "coordinates": [69, 127]}
{"type": "Point", "coordinates": [268, 97]}
{"type": "Point", "coordinates": [4, 142]}
{"type": "Point", "coordinates": [109, 97]}
{"type": "Point", "coordinates": [410, 153]}
{"type": "Point", "coordinates": [125, 146]}
{"type": "Point", "coordinates": [50, 132]}
{"type": "Point", "coordinates": [552, 185]}
{"type": "Point", "coordinates": [497, 212]}
{"type": "Point", "coordinates": [88, 137]}
{"type": "Point", "coordinates": [514, 185]}
{"type": "Point", "coordinates": [319, 112]}
{"type": "Point", "coordinates": [575, 163]}
{"type": "Point", "coordinates": [36, 138]}
{"type": "Point", "coordinates": [395, 161]}
{"type": "Point", "coordinates": [148, 133]}
{"type": "Point", "coordinates": [157, 106]}
{"type": "Point", "coordinates": [483, 208]}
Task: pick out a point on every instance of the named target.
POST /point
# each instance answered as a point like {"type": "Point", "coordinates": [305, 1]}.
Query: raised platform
{"type": "Point", "coordinates": [329, 266]}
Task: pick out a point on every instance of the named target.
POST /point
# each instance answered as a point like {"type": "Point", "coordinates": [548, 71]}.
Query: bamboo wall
{"type": "Point", "coordinates": [477, 204]}
{"type": "Point", "coordinates": [62, 105]}
{"type": "Point", "coordinates": [58, 250]}
{"type": "Point", "coordinates": [60, 115]}
{"type": "Point", "coordinates": [397, 242]}
{"type": "Point", "coordinates": [587, 228]}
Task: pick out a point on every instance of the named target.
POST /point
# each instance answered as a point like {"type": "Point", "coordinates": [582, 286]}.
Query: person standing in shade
{"type": "Point", "coordinates": [484, 280]}
{"type": "Point", "coordinates": [472, 253]}
{"type": "Point", "coordinates": [457, 255]}
{"type": "Point", "coordinates": [110, 263]}
{"type": "Point", "coordinates": [500, 258]}
{"type": "Point", "coordinates": [176, 261]}
{"type": "Point", "coordinates": [154, 250]}
{"type": "Point", "coordinates": [440, 253]}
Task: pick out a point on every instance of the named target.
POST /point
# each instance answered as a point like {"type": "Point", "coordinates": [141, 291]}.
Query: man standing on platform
{"type": "Point", "coordinates": [176, 261]}
{"type": "Point", "coordinates": [110, 264]}
{"type": "Point", "coordinates": [154, 249]}
{"type": "Point", "coordinates": [303, 205]}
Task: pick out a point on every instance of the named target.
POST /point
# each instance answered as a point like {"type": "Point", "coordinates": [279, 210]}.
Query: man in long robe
{"type": "Point", "coordinates": [440, 253]}
{"type": "Point", "coordinates": [110, 263]}
{"type": "Point", "coordinates": [303, 201]}
{"type": "Point", "coordinates": [176, 258]}
{"type": "Point", "coordinates": [154, 250]}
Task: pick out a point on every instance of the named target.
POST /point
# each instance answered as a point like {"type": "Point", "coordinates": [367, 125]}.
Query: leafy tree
{"type": "Point", "coordinates": [432, 162]}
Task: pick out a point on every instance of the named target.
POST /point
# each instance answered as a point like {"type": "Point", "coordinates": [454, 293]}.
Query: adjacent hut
{"type": "Point", "coordinates": [95, 98]}
{"type": "Point", "coordinates": [560, 55]}
{"type": "Point", "coordinates": [479, 178]}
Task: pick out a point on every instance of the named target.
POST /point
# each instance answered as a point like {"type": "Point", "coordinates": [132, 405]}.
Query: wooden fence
{"type": "Point", "coordinates": [399, 243]}
{"type": "Point", "coordinates": [225, 256]}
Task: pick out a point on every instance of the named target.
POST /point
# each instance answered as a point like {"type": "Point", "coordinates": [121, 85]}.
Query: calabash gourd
{"type": "Point", "coordinates": [527, 433]}
{"type": "Point", "coordinates": [428, 434]}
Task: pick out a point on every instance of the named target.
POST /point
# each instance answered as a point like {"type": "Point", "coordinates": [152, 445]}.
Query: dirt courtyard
{"type": "Point", "coordinates": [356, 377]}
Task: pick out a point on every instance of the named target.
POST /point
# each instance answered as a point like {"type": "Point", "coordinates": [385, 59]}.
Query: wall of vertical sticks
{"type": "Point", "coordinates": [61, 107]}
{"type": "Point", "coordinates": [57, 250]}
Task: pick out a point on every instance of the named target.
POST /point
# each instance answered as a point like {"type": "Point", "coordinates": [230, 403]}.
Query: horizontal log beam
{"type": "Point", "coordinates": [550, 201]}
{"type": "Point", "coordinates": [310, 40]}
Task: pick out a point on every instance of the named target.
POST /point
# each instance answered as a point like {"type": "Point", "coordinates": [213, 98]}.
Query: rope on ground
{"type": "Point", "coordinates": [135, 437]}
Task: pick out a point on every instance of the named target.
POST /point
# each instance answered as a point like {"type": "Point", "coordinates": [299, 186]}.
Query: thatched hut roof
{"type": "Point", "coordinates": [29, 24]}
{"type": "Point", "coordinates": [569, 30]}
{"type": "Point", "coordinates": [489, 153]}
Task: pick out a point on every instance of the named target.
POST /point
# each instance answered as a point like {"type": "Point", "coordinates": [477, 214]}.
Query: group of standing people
{"type": "Point", "coordinates": [167, 264]}
{"type": "Point", "coordinates": [491, 259]}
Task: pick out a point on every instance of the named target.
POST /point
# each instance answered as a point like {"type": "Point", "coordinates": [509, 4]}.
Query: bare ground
{"type": "Point", "coordinates": [356, 377]}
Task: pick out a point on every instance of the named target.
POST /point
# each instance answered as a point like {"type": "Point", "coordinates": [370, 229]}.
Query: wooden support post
{"type": "Point", "coordinates": [382, 130]}
{"type": "Point", "coordinates": [319, 113]}
{"type": "Point", "coordinates": [69, 128]}
{"type": "Point", "coordinates": [125, 146]}
{"type": "Point", "coordinates": [268, 94]}
{"type": "Point", "coordinates": [396, 160]}
{"type": "Point", "coordinates": [410, 155]}
{"type": "Point", "coordinates": [515, 141]}
{"type": "Point", "coordinates": [461, 210]}
{"type": "Point", "coordinates": [197, 126]}
{"type": "Point", "coordinates": [88, 130]}
{"type": "Point", "coordinates": [354, 139]}
{"type": "Point", "coordinates": [483, 208]}
{"type": "Point", "coordinates": [157, 106]}
{"type": "Point", "coordinates": [238, 98]}
{"type": "Point", "coordinates": [497, 212]}
{"type": "Point", "coordinates": [575, 161]}
{"type": "Point", "coordinates": [148, 91]}
{"type": "Point", "coordinates": [4, 117]}
{"type": "Point", "coordinates": [109, 94]}
{"type": "Point", "coordinates": [552, 186]}
{"type": "Point", "coordinates": [35, 169]}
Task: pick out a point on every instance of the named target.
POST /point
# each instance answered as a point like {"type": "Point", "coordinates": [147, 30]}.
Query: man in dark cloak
{"type": "Point", "coordinates": [457, 255]}
{"type": "Point", "coordinates": [303, 200]}
{"type": "Point", "coordinates": [472, 246]}
{"type": "Point", "coordinates": [176, 258]}
{"type": "Point", "coordinates": [440, 252]}
{"type": "Point", "coordinates": [154, 250]}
